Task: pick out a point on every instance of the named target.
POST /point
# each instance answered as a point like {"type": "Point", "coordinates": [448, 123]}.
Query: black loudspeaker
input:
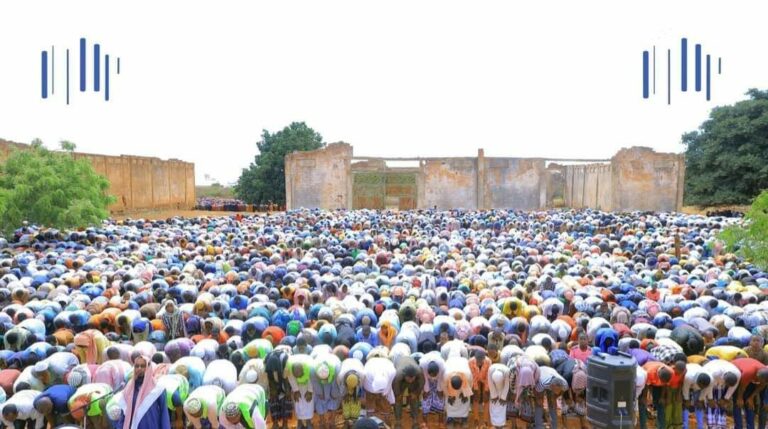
{"type": "Point", "coordinates": [611, 391]}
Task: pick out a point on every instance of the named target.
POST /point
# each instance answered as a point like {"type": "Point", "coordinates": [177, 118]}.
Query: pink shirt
{"type": "Point", "coordinates": [577, 353]}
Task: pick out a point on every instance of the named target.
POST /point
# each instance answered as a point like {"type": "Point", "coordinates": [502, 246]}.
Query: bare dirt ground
{"type": "Point", "coordinates": [703, 210]}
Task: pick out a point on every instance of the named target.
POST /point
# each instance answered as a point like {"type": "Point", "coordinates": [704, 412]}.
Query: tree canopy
{"type": "Point", "coordinates": [51, 189]}
{"type": "Point", "coordinates": [264, 180]}
{"type": "Point", "coordinates": [727, 157]}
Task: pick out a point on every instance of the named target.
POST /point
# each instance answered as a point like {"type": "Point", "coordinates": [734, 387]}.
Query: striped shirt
{"type": "Point", "coordinates": [548, 376]}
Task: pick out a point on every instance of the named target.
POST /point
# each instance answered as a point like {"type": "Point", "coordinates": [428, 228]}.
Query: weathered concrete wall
{"type": "Point", "coordinates": [604, 187]}
{"type": "Point", "coordinates": [138, 183]}
{"type": "Point", "coordinates": [588, 185]}
{"type": "Point", "coordinates": [647, 180]}
{"type": "Point", "coordinates": [635, 179]}
{"type": "Point", "coordinates": [516, 183]}
{"type": "Point", "coordinates": [450, 183]}
{"type": "Point", "coordinates": [319, 178]}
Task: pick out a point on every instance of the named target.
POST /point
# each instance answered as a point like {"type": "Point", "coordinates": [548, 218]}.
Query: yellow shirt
{"type": "Point", "coordinates": [728, 353]}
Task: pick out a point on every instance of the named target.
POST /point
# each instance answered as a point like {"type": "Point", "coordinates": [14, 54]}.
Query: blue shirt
{"type": "Point", "coordinates": [59, 395]}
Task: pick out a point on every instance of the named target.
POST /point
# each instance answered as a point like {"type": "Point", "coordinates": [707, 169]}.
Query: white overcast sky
{"type": "Point", "coordinates": [200, 80]}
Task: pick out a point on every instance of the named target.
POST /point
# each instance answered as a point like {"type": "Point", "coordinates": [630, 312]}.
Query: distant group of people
{"type": "Point", "coordinates": [235, 205]}
{"type": "Point", "coordinates": [428, 318]}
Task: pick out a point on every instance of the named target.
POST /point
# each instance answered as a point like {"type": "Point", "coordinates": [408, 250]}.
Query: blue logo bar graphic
{"type": "Point", "coordinates": [96, 71]}
{"type": "Point", "coordinates": [106, 77]}
{"type": "Point", "coordinates": [699, 69]}
{"type": "Point", "coordinates": [684, 64]}
{"type": "Point", "coordinates": [645, 74]}
{"type": "Point", "coordinates": [47, 76]}
{"type": "Point", "coordinates": [82, 64]}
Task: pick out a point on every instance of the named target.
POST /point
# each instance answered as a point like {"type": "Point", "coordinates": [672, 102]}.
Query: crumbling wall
{"type": "Point", "coordinates": [634, 179]}
{"type": "Point", "coordinates": [138, 183]}
{"type": "Point", "coordinates": [319, 178]}
{"type": "Point", "coordinates": [589, 185]}
{"type": "Point", "coordinates": [647, 180]}
{"type": "Point", "coordinates": [514, 183]}
{"type": "Point", "coordinates": [450, 183]}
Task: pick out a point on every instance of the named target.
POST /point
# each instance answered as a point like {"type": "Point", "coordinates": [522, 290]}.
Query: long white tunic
{"type": "Point", "coordinates": [457, 366]}
{"type": "Point", "coordinates": [498, 410]}
{"type": "Point", "coordinates": [221, 373]}
{"type": "Point", "coordinates": [305, 409]}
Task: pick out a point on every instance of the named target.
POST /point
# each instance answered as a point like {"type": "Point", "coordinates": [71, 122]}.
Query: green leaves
{"type": "Point", "coordinates": [726, 158]}
{"type": "Point", "coordinates": [264, 180]}
{"type": "Point", "coordinates": [751, 240]}
{"type": "Point", "coordinates": [51, 189]}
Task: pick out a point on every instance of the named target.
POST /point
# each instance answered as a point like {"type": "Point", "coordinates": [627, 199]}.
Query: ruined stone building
{"type": "Point", "coordinates": [636, 178]}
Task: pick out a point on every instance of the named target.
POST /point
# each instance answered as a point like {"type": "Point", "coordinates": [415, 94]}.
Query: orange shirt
{"type": "Point", "coordinates": [479, 374]}
{"type": "Point", "coordinates": [677, 379]}
{"type": "Point", "coordinates": [652, 368]}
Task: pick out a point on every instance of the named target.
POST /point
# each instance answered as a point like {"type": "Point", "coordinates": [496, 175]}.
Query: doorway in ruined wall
{"type": "Point", "coordinates": [384, 190]}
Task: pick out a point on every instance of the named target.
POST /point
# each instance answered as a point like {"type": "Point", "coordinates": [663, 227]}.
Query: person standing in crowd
{"type": "Point", "coordinates": [326, 391]}
{"type": "Point", "coordinates": [498, 384]}
{"type": "Point", "coordinates": [176, 392]}
{"type": "Point", "coordinates": [658, 379]}
{"type": "Point", "coordinates": [641, 379]}
{"type": "Point", "coordinates": [18, 411]}
{"type": "Point", "coordinates": [351, 384]}
{"type": "Point", "coordinates": [142, 400]}
{"type": "Point", "coordinates": [549, 386]}
{"type": "Point", "coordinates": [407, 387]}
{"type": "Point", "coordinates": [755, 349]}
{"type": "Point", "coordinates": [379, 396]}
{"type": "Point", "coordinates": [674, 395]}
{"type": "Point", "coordinates": [748, 399]}
{"type": "Point", "coordinates": [52, 404]}
{"type": "Point", "coordinates": [244, 408]}
{"type": "Point", "coordinates": [298, 370]}
{"type": "Point", "coordinates": [479, 366]}
{"type": "Point", "coordinates": [173, 321]}
{"type": "Point", "coordinates": [202, 407]}
{"type": "Point", "coordinates": [457, 386]}
{"type": "Point", "coordinates": [89, 404]}
{"type": "Point", "coordinates": [222, 373]}
{"type": "Point", "coordinates": [582, 351]}
{"type": "Point", "coordinates": [433, 399]}
{"type": "Point", "coordinates": [696, 381]}
{"type": "Point", "coordinates": [719, 395]}
{"type": "Point", "coordinates": [280, 393]}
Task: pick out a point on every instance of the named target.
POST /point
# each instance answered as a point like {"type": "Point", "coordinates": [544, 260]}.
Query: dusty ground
{"type": "Point", "coordinates": [485, 424]}
{"type": "Point", "coordinates": [703, 210]}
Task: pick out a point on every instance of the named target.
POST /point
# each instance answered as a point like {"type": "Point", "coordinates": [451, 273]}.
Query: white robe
{"type": "Point", "coordinates": [498, 411]}
{"type": "Point", "coordinates": [305, 409]}
{"type": "Point", "coordinates": [459, 408]}
{"type": "Point", "coordinates": [221, 373]}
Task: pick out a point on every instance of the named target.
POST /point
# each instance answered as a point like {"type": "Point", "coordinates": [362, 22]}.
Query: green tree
{"type": "Point", "coordinates": [264, 180]}
{"type": "Point", "coordinates": [67, 146]}
{"type": "Point", "coordinates": [52, 189]}
{"type": "Point", "coordinates": [727, 157]}
{"type": "Point", "coordinates": [751, 240]}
